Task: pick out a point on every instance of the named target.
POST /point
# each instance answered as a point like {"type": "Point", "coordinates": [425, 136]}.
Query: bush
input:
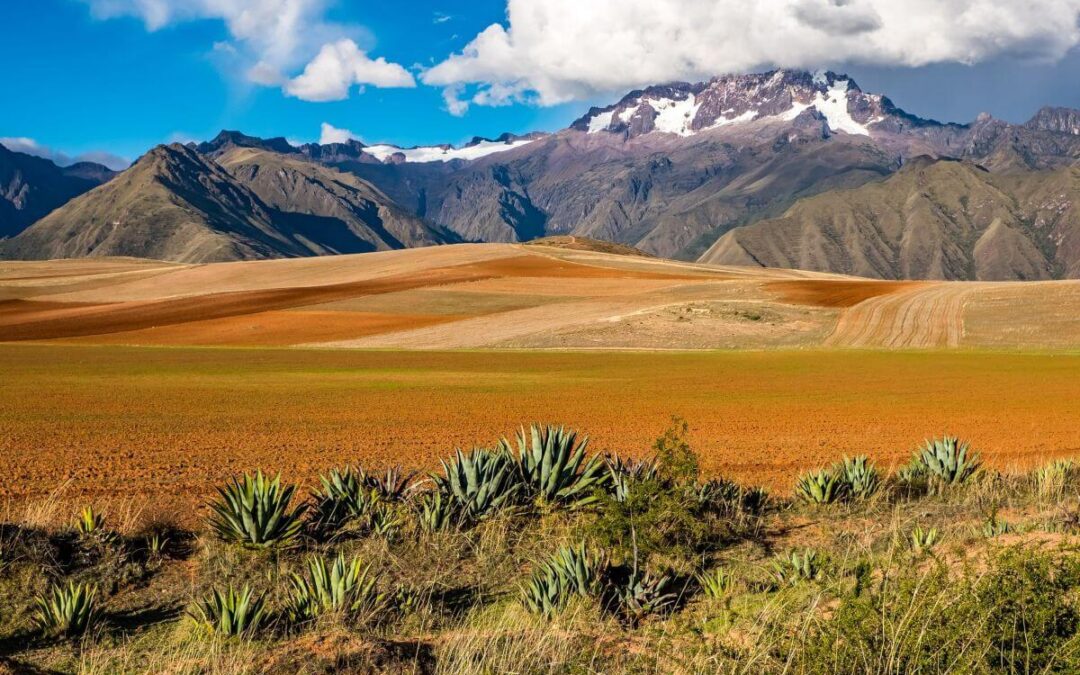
{"type": "Point", "coordinates": [255, 512]}
{"type": "Point", "coordinates": [66, 610]}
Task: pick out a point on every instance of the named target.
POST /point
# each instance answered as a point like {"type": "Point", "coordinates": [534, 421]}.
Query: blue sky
{"type": "Point", "coordinates": [109, 75]}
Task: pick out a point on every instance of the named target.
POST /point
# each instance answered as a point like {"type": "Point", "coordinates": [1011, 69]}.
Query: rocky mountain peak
{"type": "Point", "coordinates": [235, 139]}
{"type": "Point", "coordinates": [1061, 120]}
{"type": "Point", "coordinates": [684, 109]}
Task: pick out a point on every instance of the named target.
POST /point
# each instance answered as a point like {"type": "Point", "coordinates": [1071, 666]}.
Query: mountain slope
{"type": "Point", "coordinates": [934, 219]}
{"type": "Point", "coordinates": [177, 204]}
{"type": "Point", "coordinates": [31, 187]}
{"type": "Point", "coordinates": [297, 187]}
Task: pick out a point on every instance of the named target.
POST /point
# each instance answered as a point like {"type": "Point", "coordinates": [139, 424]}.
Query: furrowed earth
{"type": "Point", "coordinates": [138, 380]}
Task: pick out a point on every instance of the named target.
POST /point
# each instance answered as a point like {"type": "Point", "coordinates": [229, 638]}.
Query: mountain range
{"type": "Point", "coordinates": [785, 169]}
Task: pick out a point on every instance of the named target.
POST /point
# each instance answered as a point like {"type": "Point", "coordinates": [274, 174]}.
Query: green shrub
{"type": "Point", "coordinates": [571, 571]}
{"type": "Point", "coordinates": [343, 587]}
{"type": "Point", "coordinates": [482, 481]}
{"type": "Point", "coordinates": [66, 610]}
{"type": "Point", "coordinates": [860, 477]}
{"type": "Point", "coordinates": [255, 512]}
{"type": "Point", "coordinates": [948, 461]}
{"type": "Point", "coordinates": [230, 613]}
{"type": "Point", "coordinates": [553, 468]}
{"type": "Point", "coordinates": [820, 487]}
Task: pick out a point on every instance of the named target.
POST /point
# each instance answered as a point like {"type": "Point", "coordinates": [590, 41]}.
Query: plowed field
{"type": "Point", "coordinates": [121, 422]}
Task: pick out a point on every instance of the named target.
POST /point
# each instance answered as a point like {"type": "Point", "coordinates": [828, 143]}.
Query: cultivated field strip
{"type": "Point", "coordinates": [921, 316]}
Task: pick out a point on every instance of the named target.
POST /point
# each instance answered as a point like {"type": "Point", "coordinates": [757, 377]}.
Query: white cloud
{"type": "Point", "coordinates": [338, 67]}
{"type": "Point", "coordinates": [553, 51]}
{"type": "Point", "coordinates": [331, 134]}
{"type": "Point", "coordinates": [29, 146]}
{"type": "Point", "coordinates": [271, 38]}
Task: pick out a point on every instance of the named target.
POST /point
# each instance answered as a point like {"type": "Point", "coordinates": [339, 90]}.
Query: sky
{"type": "Point", "coordinates": [108, 79]}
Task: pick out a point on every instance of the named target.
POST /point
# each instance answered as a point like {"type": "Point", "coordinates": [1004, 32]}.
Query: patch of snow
{"type": "Point", "coordinates": [833, 104]}
{"type": "Point", "coordinates": [628, 114]}
{"type": "Point", "coordinates": [441, 154]}
{"type": "Point", "coordinates": [600, 122]}
{"type": "Point", "coordinates": [675, 117]}
{"type": "Point", "coordinates": [821, 78]}
{"type": "Point", "coordinates": [723, 121]}
{"type": "Point", "coordinates": [794, 111]}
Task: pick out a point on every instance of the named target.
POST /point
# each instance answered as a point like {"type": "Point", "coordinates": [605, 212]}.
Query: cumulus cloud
{"type": "Point", "coordinates": [341, 65]}
{"type": "Point", "coordinates": [271, 38]}
{"type": "Point", "coordinates": [331, 134]}
{"type": "Point", "coordinates": [29, 146]}
{"type": "Point", "coordinates": [552, 51]}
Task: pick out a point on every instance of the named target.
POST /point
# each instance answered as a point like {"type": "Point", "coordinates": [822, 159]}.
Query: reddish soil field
{"type": "Point", "coordinates": [166, 425]}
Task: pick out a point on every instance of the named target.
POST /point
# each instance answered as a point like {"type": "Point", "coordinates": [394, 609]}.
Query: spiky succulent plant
{"type": "Point", "coordinates": [255, 511]}
{"type": "Point", "coordinates": [553, 468]}
{"type": "Point", "coordinates": [948, 461]}
{"type": "Point", "coordinates": [820, 487]}
{"type": "Point", "coordinates": [716, 583]}
{"type": "Point", "coordinates": [337, 586]}
{"type": "Point", "coordinates": [482, 481]}
{"type": "Point", "coordinates": [345, 496]}
{"type": "Point", "coordinates": [436, 512]}
{"type": "Point", "coordinates": [66, 610]}
{"type": "Point", "coordinates": [230, 613]}
{"type": "Point", "coordinates": [90, 523]}
{"type": "Point", "coordinates": [394, 485]}
{"type": "Point", "coordinates": [860, 477]}
{"type": "Point", "coordinates": [623, 473]}
{"type": "Point", "coordinates": [640, 595]}
{"type": "Point", "coordinates": [922, 540]}
{"type": "Point", "coordinates": [797, 566]}
{"type": "Point", "coordinates": [570, 571]}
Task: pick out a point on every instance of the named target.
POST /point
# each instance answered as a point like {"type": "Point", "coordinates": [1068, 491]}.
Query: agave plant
{"type": "Point", "coordinates": [90, 523]}
{"type": "Point", "coordinates": [797, 567]}
{"type": "Point", "coordinates": [995, 527]}
{"type": "Point", "coordinates": [570, 571]}
{"type": "Point", "coordinates": [622, 473]}
{"type": "Point", "coordinates": [948, 461]}
{"type": "Point", "coordinates": [641, 595]}
{"type": "Point", "coordinates": [552, 466]}
{"type": "Point", "coordinates": [66, 610]}
{"type": "Point", "coordinates": [860, 477]}
{"type": "Point", "coordinates": [820, 487]}
{"type": "Point", "coordinates": [718, 491]}
{"type": "Point", "coordinates": [230, 612]}
{"type": "Point", "coordinates": [329, 588]}
{"type": "Point", "coordinates": [346, 496]}
{"type": "Point", "coordinates": [394, 485]}
{"type": "Point", "coordinates": [716, 583]}
{"type": "Point", "coordinates": [923, 540]}
{"type": "Point", "coordinates": [439, 513]}
{"type": "Point", "coordinates": [255, 512]}
{"type": "Point", "coordinates": [482, 481]}
{"type": "Point", "coordinates": [384, 520]}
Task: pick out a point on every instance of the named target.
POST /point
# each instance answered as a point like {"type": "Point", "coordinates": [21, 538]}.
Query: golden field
{"type": "Point", "coordinates": [117, 423]}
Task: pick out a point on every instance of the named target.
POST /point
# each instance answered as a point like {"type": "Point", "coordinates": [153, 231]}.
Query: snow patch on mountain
{"type": "Point", "coordinates": [675, 117]}
{"type": "Point", "coordinates": [440, 153]}
{"type": "Point", "coordinates": [833, 104]}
